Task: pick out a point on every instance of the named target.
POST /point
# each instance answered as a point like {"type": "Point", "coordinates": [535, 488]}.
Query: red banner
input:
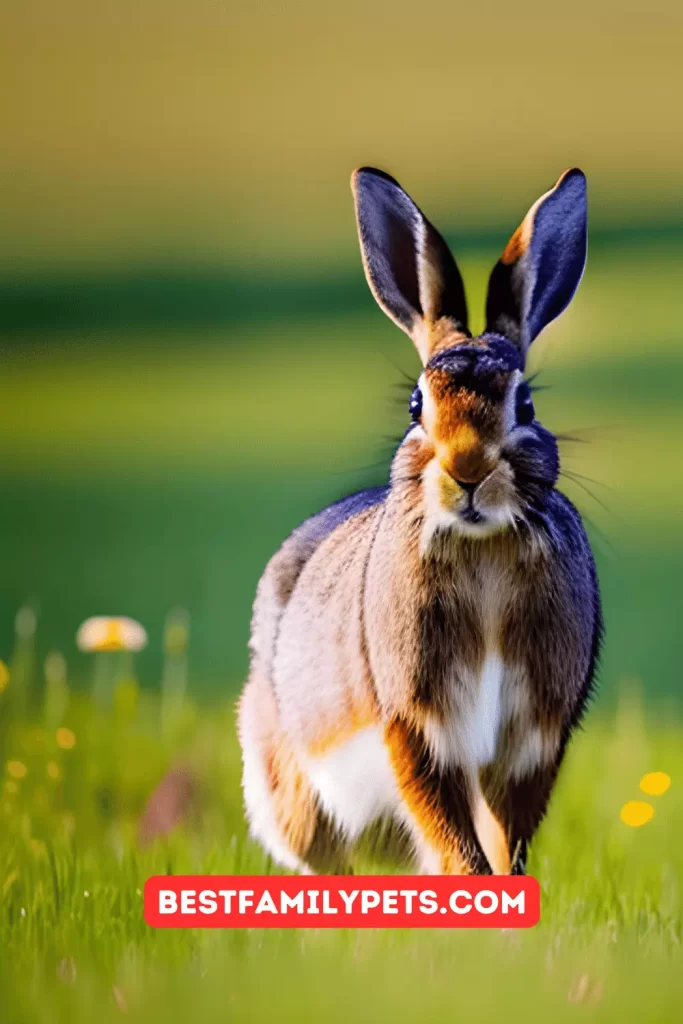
{"type": "Point", "coordinates": [342, 901]}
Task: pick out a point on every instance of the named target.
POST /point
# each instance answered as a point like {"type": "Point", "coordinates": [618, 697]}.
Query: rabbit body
{"type": "Point", "coordinates": [421, 652]}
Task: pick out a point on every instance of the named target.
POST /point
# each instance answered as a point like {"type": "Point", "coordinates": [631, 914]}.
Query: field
{"type": "Point", "coordinates": [72, 870]}
{"type": "Point", "coordinates": [144, 468]}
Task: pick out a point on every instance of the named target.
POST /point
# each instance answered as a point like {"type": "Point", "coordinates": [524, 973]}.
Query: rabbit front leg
{"type": "Point", "coordinates": [519, 804]}
{"type": "Point", "coordinates": [437, 802]}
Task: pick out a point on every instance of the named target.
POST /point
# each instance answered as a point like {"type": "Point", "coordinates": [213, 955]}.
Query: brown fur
{"type": "Point", "coordinates": [460, 654]}
{"type": "Point", "coordinates": [361, 715]}
{"type": "Point", "coordinates": [294, 802]}
{"type": "Point", "coordinates": [368, 635]}
{"type": "Point", "coordinates": [443, 334]}
{"type": "Point", "coordinates": [438, 804]}
{"type": "Point", "coordinates": [322, 680]}
{"type": "Point", "coordinates": [465, 428]}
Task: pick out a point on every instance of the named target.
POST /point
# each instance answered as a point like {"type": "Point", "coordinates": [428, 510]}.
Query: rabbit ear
{"type": "Point", "coordinates": [542, 264]}
{"type": "Point", "coordinates": [409, 267]}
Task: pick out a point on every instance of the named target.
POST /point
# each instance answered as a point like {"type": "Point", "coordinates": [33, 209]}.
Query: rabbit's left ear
{"type": "Point", "coordinates": [409, 267]}
{"type": "Point", "coordinates": [542, 264]}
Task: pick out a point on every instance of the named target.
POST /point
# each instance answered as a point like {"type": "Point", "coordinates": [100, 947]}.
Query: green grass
{"type": "Point", "coordinates": [75, 947]}
{"type": "Point", "coordinates": [137, 477]}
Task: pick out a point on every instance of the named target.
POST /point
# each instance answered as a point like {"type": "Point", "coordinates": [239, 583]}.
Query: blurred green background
{"type": "Point", "coordinates": [191, 360]}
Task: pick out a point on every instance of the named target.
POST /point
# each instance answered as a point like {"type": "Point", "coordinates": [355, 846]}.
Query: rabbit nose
{"type": "Point", "coordinates": [468, 468]}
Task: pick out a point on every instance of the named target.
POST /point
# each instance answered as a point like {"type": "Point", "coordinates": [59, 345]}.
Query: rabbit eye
{"type": "Point", "coordinates": [524, 407]}
{"type": "Point", "coordinates": [415, 404]}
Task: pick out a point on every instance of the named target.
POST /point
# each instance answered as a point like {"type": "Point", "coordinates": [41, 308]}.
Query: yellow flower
{"type": "Point", "coordinates": [655, 783]}
{"type": "Point", "coordinates": [16, 769]}
{"type": "Point", "coordinates": [4, 676]}
{"type": "Point", "coordinates": [11, 788]}
{"type": "Point", "coordinates": [65, 739]}
{"type": "Point", "coordinates": [636, 813]}
{"type": "Point", "coordinates": [102, 633]}
{"type": "Point", "coordinates": [53, 770]}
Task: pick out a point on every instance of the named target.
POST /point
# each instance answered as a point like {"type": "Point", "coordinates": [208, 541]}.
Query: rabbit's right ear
{"type": "Point", "coordinates": [409, 267]}
{"type": "Point", "coordinates": [542, 264]}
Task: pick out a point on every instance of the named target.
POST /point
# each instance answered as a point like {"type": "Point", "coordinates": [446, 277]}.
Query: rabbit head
{"type": "Point", "coordinates": [484, 460]}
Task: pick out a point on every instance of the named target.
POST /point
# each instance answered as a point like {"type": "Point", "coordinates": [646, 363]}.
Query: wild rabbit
{"type": "Point", "coordinates": [421, 652]}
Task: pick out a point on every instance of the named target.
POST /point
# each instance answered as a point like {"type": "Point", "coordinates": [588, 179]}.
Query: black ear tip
{"type": "Point", "coordinates": [369, 174]}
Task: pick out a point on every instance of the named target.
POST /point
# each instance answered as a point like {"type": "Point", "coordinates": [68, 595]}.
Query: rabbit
{"type": "Point", "coordinates": [422, 651]}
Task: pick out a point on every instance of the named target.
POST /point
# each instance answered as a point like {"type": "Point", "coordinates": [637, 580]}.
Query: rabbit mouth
{"type": "Point", "coordinates": [477, 512]}
{"type": "Point", "coordinates": [478, 522]}
{"type": "Point", "coordinates": [467, 512]}
{"type": "Point", "coordinates": [477, 525]}
{"type": "Point", "coordinates": [470, 515]}
{"type": "Point", "coordinates": [488, 504]}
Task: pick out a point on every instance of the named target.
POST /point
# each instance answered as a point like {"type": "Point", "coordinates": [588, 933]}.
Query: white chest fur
{"type": "Point", "coordinates": [468, 733]}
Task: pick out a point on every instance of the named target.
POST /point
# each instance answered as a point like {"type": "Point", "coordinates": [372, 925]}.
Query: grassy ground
{"type": "Point", "coordinates": [72, 870]}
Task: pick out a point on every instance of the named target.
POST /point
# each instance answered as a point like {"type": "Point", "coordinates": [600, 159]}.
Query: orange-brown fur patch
{"type": "Point", "coordinates": [443, 334]}
{"type": "Point", "coordinates": [458, 405]}
{"type": "Point", "coordinates": [518, 244]}
{"type": "Point", "coordinates": [466, 431]}
{"type": "Point", "coordinates": [467, 457]}
{"type": "Point", "coordinates": [357, 718]}
{"type": "Point", "coordinates": [294, 800]}
{"type": "Point", "coordinates": [420, 795]}
{"type": "Point", "coordinates": [492, 835]}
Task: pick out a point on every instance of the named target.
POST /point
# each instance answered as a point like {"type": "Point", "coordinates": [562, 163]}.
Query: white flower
{"type": "Point", "coordinates": [115, 633]}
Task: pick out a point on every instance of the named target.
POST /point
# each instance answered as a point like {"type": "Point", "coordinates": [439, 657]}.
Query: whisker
{"type": "Point", "coordinates": [536, 387]}
{"type": "Point", "coordinates": [570, 439]}
{"type": "Point", "coordinates": [593, 527]}
{"type": "Point", "coordinates": [588, 491]}
{"type": "Point", "coordinates": [408, 377]}
{"type": "Point", "coordinates": [597, 431]}
{"type": "Point", "coordinates": [572, 474]}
